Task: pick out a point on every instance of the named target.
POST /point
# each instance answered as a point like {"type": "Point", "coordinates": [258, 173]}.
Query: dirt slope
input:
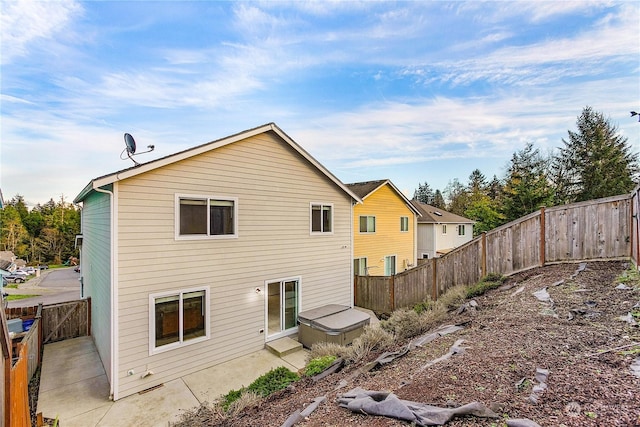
{"type": "Point", "coordinates": [509, 336]}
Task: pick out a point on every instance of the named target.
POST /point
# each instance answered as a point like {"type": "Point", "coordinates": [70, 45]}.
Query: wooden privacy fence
{"type": "Point", "coordinates": [60, 321]}
{"type": "Point", "coordinates": [596, 229]}
{"type": "Point", "coordinates": [66, 320]}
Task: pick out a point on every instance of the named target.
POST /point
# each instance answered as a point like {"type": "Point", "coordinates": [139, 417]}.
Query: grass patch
{"type": "Point", "coordinates": [316, 366]}
{"type": "Point", "coordinates": [629, 277]}
{"type": "Point", "coordinates": [18, 297]}
{"type": "Point", "coordinates": [491, 281]}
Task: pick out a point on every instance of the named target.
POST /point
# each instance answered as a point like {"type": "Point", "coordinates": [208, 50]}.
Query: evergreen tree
{"type": "Point", "coordinates": [594, 162]}
{"type": "Point", "coordinates": [458, 197]}
{"type": "Point", "coordinates": [424, 194]}
{"type": "Point", "coordinates": [480, 207]}
{"type": "Point", "coordinates": [527, 187]}
{"type": "Point", "coordinates": [477, 183]}
{"type": "Point", "coordinates": [494, 189]}
{"type": "Point", "coordinates": [438, 201]}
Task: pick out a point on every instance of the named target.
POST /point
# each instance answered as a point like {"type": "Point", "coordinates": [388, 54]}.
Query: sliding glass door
{"type": "Point", "coordinates": [282, 307]}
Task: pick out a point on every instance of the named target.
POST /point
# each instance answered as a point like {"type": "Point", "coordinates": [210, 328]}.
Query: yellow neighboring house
{"type": "Point", "coordinates": [384, 231]}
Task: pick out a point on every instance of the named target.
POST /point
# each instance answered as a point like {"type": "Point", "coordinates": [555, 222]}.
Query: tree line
{"type": "Point", "coordinates": [44, 234]}
{"type": "Point", "coordinates": [595, 161]}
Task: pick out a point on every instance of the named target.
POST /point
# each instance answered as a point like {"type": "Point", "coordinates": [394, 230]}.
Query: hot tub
{"type": "Point", "coordinates": [332, 323]}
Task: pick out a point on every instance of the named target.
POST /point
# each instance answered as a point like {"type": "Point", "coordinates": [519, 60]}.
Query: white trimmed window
{"type": "Point", "coordinates": [360, 267]}
{"type": "Point", "coordinates": [200, 217]}
{"type": "Point", "coordinates": [461, 230]}
{"type": "Point", "coordinates": [367, 224]}
{"type": "Point", "coordinates": [321, 218]}
{"type": "Point", "coordinates": [444, 228]}
{"type": "Point", "coordinates": [404, 223]}
{"type": "Point", "coordinates": [178, 318]}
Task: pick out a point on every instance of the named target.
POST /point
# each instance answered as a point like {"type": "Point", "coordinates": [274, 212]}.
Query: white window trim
{"type": "Point", "coordinates": [444, 228]}
{"type": "Point", "coordinates": [463, 228]}
{"type": "Point", "coordinates": [366, 261]}
{"type": "Point", "coordinates": [425, 253]}
{"type": "Point", "coordinates": [395, 263]}
{"type": "Point", "coordinates": [401, 230]}
{"type": "Point", "coordinates": [152, 324]}
{"type": "Point", "coordinates": [375, 224]}
{"type": "Point", "coordinates": [321, 204]}
{"type": "Point", "coordinates": [207, 236]}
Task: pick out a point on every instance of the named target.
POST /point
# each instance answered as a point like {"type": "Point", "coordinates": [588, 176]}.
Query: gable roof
{"type": "Point", "coordinates": [433, 215]}
{"type": "Point", "coordinates": [365, 189]}
{"type": "Point", "coordinates": [209, 146]}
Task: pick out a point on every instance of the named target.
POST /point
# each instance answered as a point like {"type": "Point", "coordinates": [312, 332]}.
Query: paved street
{"type": "Point", "coordinates": [53, 286]}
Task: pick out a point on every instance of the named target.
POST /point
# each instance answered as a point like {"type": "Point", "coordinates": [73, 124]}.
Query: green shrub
{"type": "Point", "coordinates": [423, 306]}
{"type": "Point", "coordinates": [274, 380]}
{"type": "Point", "coordinates": [491, 281]}
{"type": "Point", "coordinates": [316, 366]}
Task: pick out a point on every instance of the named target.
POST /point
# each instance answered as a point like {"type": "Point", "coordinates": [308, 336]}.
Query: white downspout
{"type": "Point", "coordinates": [113, 392]}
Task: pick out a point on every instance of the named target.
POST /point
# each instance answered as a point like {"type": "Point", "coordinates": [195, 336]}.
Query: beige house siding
{"type": "Point", "coordinates": [274, 187]}
{"type": "Point", "coordinates": [96, 229]}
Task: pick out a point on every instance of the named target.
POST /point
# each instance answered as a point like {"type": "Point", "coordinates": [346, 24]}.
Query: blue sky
{"type": "Point", "coordinates": [410, 91]}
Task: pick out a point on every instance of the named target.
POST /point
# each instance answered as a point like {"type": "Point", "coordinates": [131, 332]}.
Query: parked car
{"type": "Point", "coordinates": [43, 267]}
{"type": "Point", "coordinates": [30, 270]}
{"type": "Point", "coordinates": [16, 278]}
{"type": "Point", "coordinates": [21, 273]}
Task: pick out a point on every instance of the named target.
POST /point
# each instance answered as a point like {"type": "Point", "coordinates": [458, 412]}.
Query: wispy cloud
{"type": "Point", "coordinates": [25, 23]}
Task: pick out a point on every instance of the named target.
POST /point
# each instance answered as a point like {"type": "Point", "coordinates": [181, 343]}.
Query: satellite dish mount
{"type": "Point", "coordinates": [130, 148]}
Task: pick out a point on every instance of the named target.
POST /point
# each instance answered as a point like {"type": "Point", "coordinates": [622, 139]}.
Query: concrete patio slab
{"type": "Point", "coordinates": [156, 407]}
{"type": "Point", "coordinates": [210, 384]}
{"type": "Point", "coordinates": [74, 399]}
{"type": "Point", "coordinates": [78, 393]}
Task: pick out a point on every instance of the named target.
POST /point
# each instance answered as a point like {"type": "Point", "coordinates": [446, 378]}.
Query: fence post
{"type": "Point", "coordinates": [355, 289]}
{"type": "Point", "coordinates": [434, 287]}
{"type": "Point", "coordinates": [89, 316]}
{"type": "Point", "coordinates": [483, 267]}
{"type": "Point", "coordinates": [543, 232]}
{"type": "Point", "coordinates": [392, 297]}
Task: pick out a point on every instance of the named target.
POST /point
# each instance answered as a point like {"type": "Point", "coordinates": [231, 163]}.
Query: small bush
{"type": "Point", "coordinates": [316, 366]}
{"type": "Point", "coordinates": [453, 298]}
{"type": "Point", "coordinates": [372, 338]}
{"type": "Point", "coordinates": [403, 323]}
{"type": "Point", "coordinates": [322, 349]}
{"type": "Point", "coordinates": [491, 281]}
{"type": "Point", "coordinates": [274, 380]}
{"type": "Point", "coordinates": [423, 306]}
{"type": "Point", "coordinates": [247, 399]}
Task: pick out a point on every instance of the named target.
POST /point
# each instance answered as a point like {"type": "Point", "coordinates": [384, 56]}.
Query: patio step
{"type": "Point", "coordinates": [284, 346]}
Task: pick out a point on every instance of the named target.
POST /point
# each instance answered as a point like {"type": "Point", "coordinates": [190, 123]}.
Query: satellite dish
{"type": "Point", "coordinates": [130, 143]}
{"type": "Point", "coordinates": [130, 148]}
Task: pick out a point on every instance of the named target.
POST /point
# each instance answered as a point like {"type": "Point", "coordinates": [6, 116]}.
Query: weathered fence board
{"type": "Point", "coordinates": [373, 292]}
{"type": "Point", "coordinates": [19, 416]}
{"type": "Point", "coordinates": [65, 320]}
{"type": "Point", "coordinates": [606, 228]}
